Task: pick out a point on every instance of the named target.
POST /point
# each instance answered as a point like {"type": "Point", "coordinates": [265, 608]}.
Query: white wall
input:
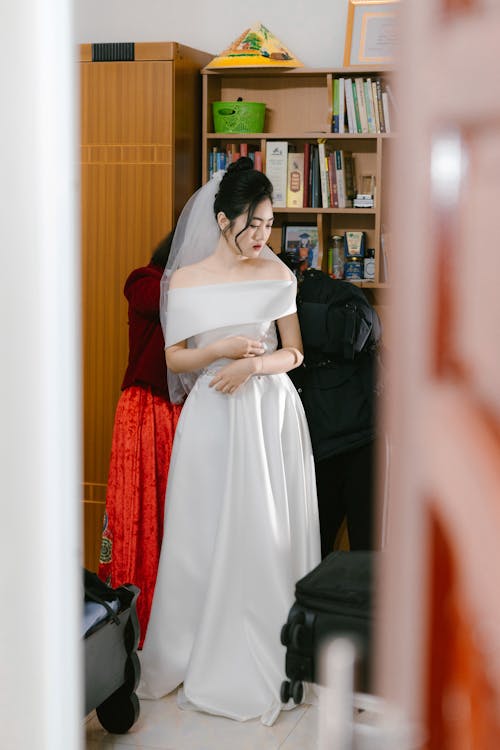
{"type": "Point", "coordinates": [40, 547]}
{"type": "Point", "coordinates": [314, 30]}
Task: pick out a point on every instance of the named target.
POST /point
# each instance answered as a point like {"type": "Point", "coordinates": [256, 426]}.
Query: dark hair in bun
{"type": "Point", "coordinates": [241, 190]}
{"type": "Point", "coordinates": [244, 162]}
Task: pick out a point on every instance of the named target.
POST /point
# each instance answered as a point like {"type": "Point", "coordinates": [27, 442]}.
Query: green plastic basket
{"type": "Point", "coordinates": [239, 117]}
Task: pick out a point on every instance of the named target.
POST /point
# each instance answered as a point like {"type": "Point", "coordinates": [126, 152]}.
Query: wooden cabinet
{"type": "Point", "coordinates": [298, 110]}
{"type": "Point", "coordinates": [140, 161]}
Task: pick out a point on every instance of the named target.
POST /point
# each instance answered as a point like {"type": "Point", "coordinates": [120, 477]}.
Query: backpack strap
{"type": "Point", "coordinates": [97, 591]}
{"type": "Point", "coordinates": [95, 598]}
{"type": "Point", "coordinates": [351, 315]}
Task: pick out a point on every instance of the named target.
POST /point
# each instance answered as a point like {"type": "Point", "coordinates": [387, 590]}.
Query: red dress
{"type": "Point", "coordinates": [143, 434]}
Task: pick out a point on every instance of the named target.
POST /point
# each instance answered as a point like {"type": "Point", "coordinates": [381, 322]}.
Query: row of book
{"type": "Point", "coordinates": [317, 177]}
{"type": "Point", "coordinates": [362, 105]}
{"type": "Point", "coordinates": [222, 158]}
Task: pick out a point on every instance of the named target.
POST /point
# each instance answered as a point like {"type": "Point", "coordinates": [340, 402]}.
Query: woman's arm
{"type": "Point", "coordinates": [291, 353]}
{"type": "Point", "coordinates": [181, 359]}
{"type": "Point", "coordinates": [142, 290]}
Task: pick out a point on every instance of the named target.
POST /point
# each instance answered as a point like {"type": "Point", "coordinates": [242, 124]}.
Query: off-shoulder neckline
{"type": "Point", "coordinates": [232, 283]}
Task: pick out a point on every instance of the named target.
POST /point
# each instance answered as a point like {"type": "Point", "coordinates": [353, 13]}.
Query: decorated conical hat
{"type": "Point", "coordinates": [257, 47]}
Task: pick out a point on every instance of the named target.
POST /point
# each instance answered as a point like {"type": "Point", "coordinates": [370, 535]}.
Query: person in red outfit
{"type": "Point", "coordinates": [143, 434]}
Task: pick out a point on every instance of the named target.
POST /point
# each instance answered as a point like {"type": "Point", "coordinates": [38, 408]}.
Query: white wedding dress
{"type": "Point", "coordinates": [241, 519]}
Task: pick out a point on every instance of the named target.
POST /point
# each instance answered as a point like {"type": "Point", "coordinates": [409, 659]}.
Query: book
{"type": "Point", "coordinates": [349, 103]}
{"type": "Point", "coordinates": [369, 106]}
{"type": "Point", "coordinates": [221, 160]}
{"type": "Point", "coordinates": [336, 106]}
{"type": "Point", "coordinates": [232, 154]}
{"type": "Point", "coordinates": [243, 149]}
{"type": "Point", "coordinates": [341, 105]}
{"type": "Point", "coordinates": [375, 107]}
{"type": "Point", "coordinates": [340, 178]}
{"type": "Point", "coordinates": [212, 161]}
{"type": "Point", "coordinates": [323, 169]}
{"type": "Point", "coordinates": [277, 169]}
{"type": "Point", "coordinates": [360, 90]}
{"type": "Point", "coordinates": [356, 108]}
{"type": "Point", "coordinates": [350, 179]}
{"type": "Point", "coordinates": [311, 150]}
{"type": "Point", "coordinates": [257, 160]}
{"type": "Point", "coordinates": [295, 180]}
{"type": "Point", "coordinates": [315, 178]}
{"type": "Point", "coordinates": [307, 178]}
{"type": "Point", "coordinates": [385, 107]}
{"type": "Point", "coordinates": [381, 118]}
{"type": "Point", "coordinates": [332, 181]}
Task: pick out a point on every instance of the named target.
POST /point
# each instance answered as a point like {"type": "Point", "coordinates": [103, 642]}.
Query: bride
{"type": "Point", "coordinates": [241, 520]}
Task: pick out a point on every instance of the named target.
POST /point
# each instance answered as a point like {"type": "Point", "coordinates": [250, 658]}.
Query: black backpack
{"type": "Point", "coordinates": [336, 320]}
{"type": "Point", "coordinates": [338, 381]}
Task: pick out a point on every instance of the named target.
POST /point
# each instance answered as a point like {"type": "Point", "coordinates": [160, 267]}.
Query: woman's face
{"type": "Point", "coordinates": [251, 241]}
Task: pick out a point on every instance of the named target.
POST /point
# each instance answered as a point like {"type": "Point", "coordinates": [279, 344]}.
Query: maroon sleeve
{"type": "Point", "coordinates": [142, 290]}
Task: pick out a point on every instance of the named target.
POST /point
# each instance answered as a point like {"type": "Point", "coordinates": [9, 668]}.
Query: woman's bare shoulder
{"type": "Point", "coordinates": [187, 276]}
{"type": "Point", "coordinates": [273, 269]}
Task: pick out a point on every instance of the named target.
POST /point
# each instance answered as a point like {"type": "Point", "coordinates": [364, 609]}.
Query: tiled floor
{"type": "Point", "coordinates": [163, 726]}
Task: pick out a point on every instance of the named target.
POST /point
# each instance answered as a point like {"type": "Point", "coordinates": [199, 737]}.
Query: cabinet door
{"type": "Point", "coordinates": [440, 599]}
{"type": "Point", "coordinates": [126, 189]}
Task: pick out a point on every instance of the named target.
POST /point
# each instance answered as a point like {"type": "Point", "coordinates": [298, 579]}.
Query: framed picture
{"type": "Point", "coordinates": [372, 32]}
{"type": "Point", "coordinates": [301, 246]}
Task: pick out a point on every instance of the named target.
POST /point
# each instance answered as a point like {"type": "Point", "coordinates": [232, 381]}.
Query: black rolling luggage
{"type": "Point", "coordinates": [332, 600]}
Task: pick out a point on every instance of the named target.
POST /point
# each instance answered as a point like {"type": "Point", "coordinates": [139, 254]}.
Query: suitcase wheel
{"type": "Point", "coordinates": [285, 691]}
{"type": "Point", "coordinates": [297, 690]}
{"type": "Point", "coordinates": [285, 634]}
{"type": "Point", "coordinates": [297, 633]}
{"type": "Point", "coordinates": [293, 689]}
{"type": "Point", "coordinates": [296, 619]}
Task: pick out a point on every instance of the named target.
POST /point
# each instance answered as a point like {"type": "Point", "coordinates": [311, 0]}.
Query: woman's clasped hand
{"type": "Point", "coordinates": [235, 374]}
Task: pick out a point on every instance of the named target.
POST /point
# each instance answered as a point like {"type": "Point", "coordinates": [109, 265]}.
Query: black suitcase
{"type": "Point", "coordinates": [334, 599]}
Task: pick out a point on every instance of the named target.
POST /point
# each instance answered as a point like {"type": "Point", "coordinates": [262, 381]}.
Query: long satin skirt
{"type": "Point", "coordinates": [241, 527]}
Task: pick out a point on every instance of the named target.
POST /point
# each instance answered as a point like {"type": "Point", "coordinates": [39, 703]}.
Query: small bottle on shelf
{"type": "Point", "coordinates": [336, 257]}
{"type": "Point", "coordinates": [369, 264]}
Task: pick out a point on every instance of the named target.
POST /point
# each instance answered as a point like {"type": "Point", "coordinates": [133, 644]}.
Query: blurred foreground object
{"type": "Point", "coordinates": [439, 605]}
{"type": "Point", "coordinates": [356, 721]}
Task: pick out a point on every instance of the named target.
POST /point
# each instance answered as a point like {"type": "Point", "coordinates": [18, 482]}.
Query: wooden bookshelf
{"type": "Point", "coordinates": [299, 109]}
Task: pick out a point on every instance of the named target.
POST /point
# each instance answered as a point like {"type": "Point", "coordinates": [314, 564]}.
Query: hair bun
{"type": "Point", "coordinates": [241, 164]}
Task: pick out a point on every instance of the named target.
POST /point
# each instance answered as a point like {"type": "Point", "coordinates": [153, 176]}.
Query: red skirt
{"type": "Point", "coordinates": [143, 434]}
